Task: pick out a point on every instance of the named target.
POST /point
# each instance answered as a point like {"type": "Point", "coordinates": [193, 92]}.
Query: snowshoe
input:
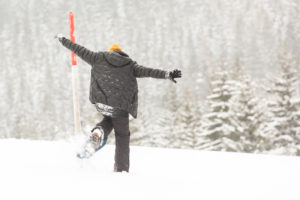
{"type": "Point", "coordinates": [95, 142]}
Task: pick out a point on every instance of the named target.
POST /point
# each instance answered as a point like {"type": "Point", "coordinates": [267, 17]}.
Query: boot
{"type": "Point", "coordinates": [97, 138]}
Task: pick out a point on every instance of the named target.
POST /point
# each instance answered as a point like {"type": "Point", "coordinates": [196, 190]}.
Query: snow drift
{"type": "Point", "coordinates": [50, 170]}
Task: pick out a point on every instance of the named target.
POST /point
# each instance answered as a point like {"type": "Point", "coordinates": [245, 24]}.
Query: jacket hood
{"type": "Point", "coordinates": [117, 58]}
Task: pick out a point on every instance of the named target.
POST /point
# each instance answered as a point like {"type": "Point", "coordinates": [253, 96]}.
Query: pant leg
{"type": "Point", "coordinates": [106, 125]}
{"type": "Point", "coordinates": [122, 134]}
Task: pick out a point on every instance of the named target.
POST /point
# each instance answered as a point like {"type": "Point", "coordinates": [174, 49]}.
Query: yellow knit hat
{"type": "Point", "coordinates": [114, 47]}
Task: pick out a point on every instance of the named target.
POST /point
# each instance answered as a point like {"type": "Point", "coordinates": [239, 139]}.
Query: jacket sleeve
{"type": "Point", "coordinates": [141, 71]}
{"type": "Point", "coordinates": [85, 54]}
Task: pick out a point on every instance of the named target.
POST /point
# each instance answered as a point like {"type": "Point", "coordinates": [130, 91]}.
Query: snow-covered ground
{"type": "Point", "coordinates": [49, 170]}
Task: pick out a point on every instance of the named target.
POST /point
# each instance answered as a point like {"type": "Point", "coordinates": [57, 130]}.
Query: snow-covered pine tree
{"type": "Point", "coordinates": [248, 113]}
{"type": "Point", "coordinates": [139, 129]}
{"type": "Point", "coordinates": [146, 129]}
{"type": "Point", "coordinates": [283, 129]}
{"type": "Point", "coordinates": [188, 125]}
{"type": "Point", "coordinates": [219, 124]}
{"type": "Point", "coordinates": [170, 116]}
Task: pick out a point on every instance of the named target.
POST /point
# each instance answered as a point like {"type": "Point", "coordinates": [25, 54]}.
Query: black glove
{"type": "Point", "coordinates": [59, 37]}
{"type": "Point", "coordinates": [174, 74]}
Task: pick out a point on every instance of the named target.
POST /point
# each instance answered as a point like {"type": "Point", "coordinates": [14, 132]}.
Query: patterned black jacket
{"type": "Point", "coordinates": [113, 77]}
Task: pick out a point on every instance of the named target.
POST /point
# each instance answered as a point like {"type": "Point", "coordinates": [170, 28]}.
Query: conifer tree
{"type": "Point", "coordinates": [170, 117]}
{"type": "Point", "coordinates": [283, 128]}
{"type": "Point", "coordinates": [219, 126]}
{"type": "Point", "coordinates": [248, 113]}
{"type": "Point", "coordinates": [188, 125]}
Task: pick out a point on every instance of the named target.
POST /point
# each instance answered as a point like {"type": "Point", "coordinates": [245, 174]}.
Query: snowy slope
{"type": "Point", "coordinates": [49, 170]}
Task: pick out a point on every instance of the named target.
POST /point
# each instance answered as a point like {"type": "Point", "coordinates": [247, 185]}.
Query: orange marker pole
{"type": "Point", "coordinates": [74, 80]}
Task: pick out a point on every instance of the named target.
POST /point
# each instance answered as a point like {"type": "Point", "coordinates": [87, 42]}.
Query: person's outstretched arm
{"type": "Point", "coordinates": [141, 71]}
{"type": "Point", "coordinates": [84, 53]}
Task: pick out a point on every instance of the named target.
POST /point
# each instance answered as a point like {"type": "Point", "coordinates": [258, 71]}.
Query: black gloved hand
{"type": "Point", "coordinates": [174, 74]}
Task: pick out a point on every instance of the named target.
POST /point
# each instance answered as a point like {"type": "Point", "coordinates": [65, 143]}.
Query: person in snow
{"type": "Point", "coordinates": [114, 92]}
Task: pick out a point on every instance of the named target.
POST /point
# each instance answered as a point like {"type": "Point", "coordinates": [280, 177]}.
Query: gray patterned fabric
{"type": "Point", "coordinates": [113, 77]}
{"type": "Point", "coordinates": [110, 111]}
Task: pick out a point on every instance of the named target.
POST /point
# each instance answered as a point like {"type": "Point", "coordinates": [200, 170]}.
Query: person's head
{"type": "Point", "coordinates": [114, 47]}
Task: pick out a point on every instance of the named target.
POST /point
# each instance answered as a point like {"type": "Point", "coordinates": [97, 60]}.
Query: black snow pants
{"type": "Point", "coordinates": [122, 135]}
